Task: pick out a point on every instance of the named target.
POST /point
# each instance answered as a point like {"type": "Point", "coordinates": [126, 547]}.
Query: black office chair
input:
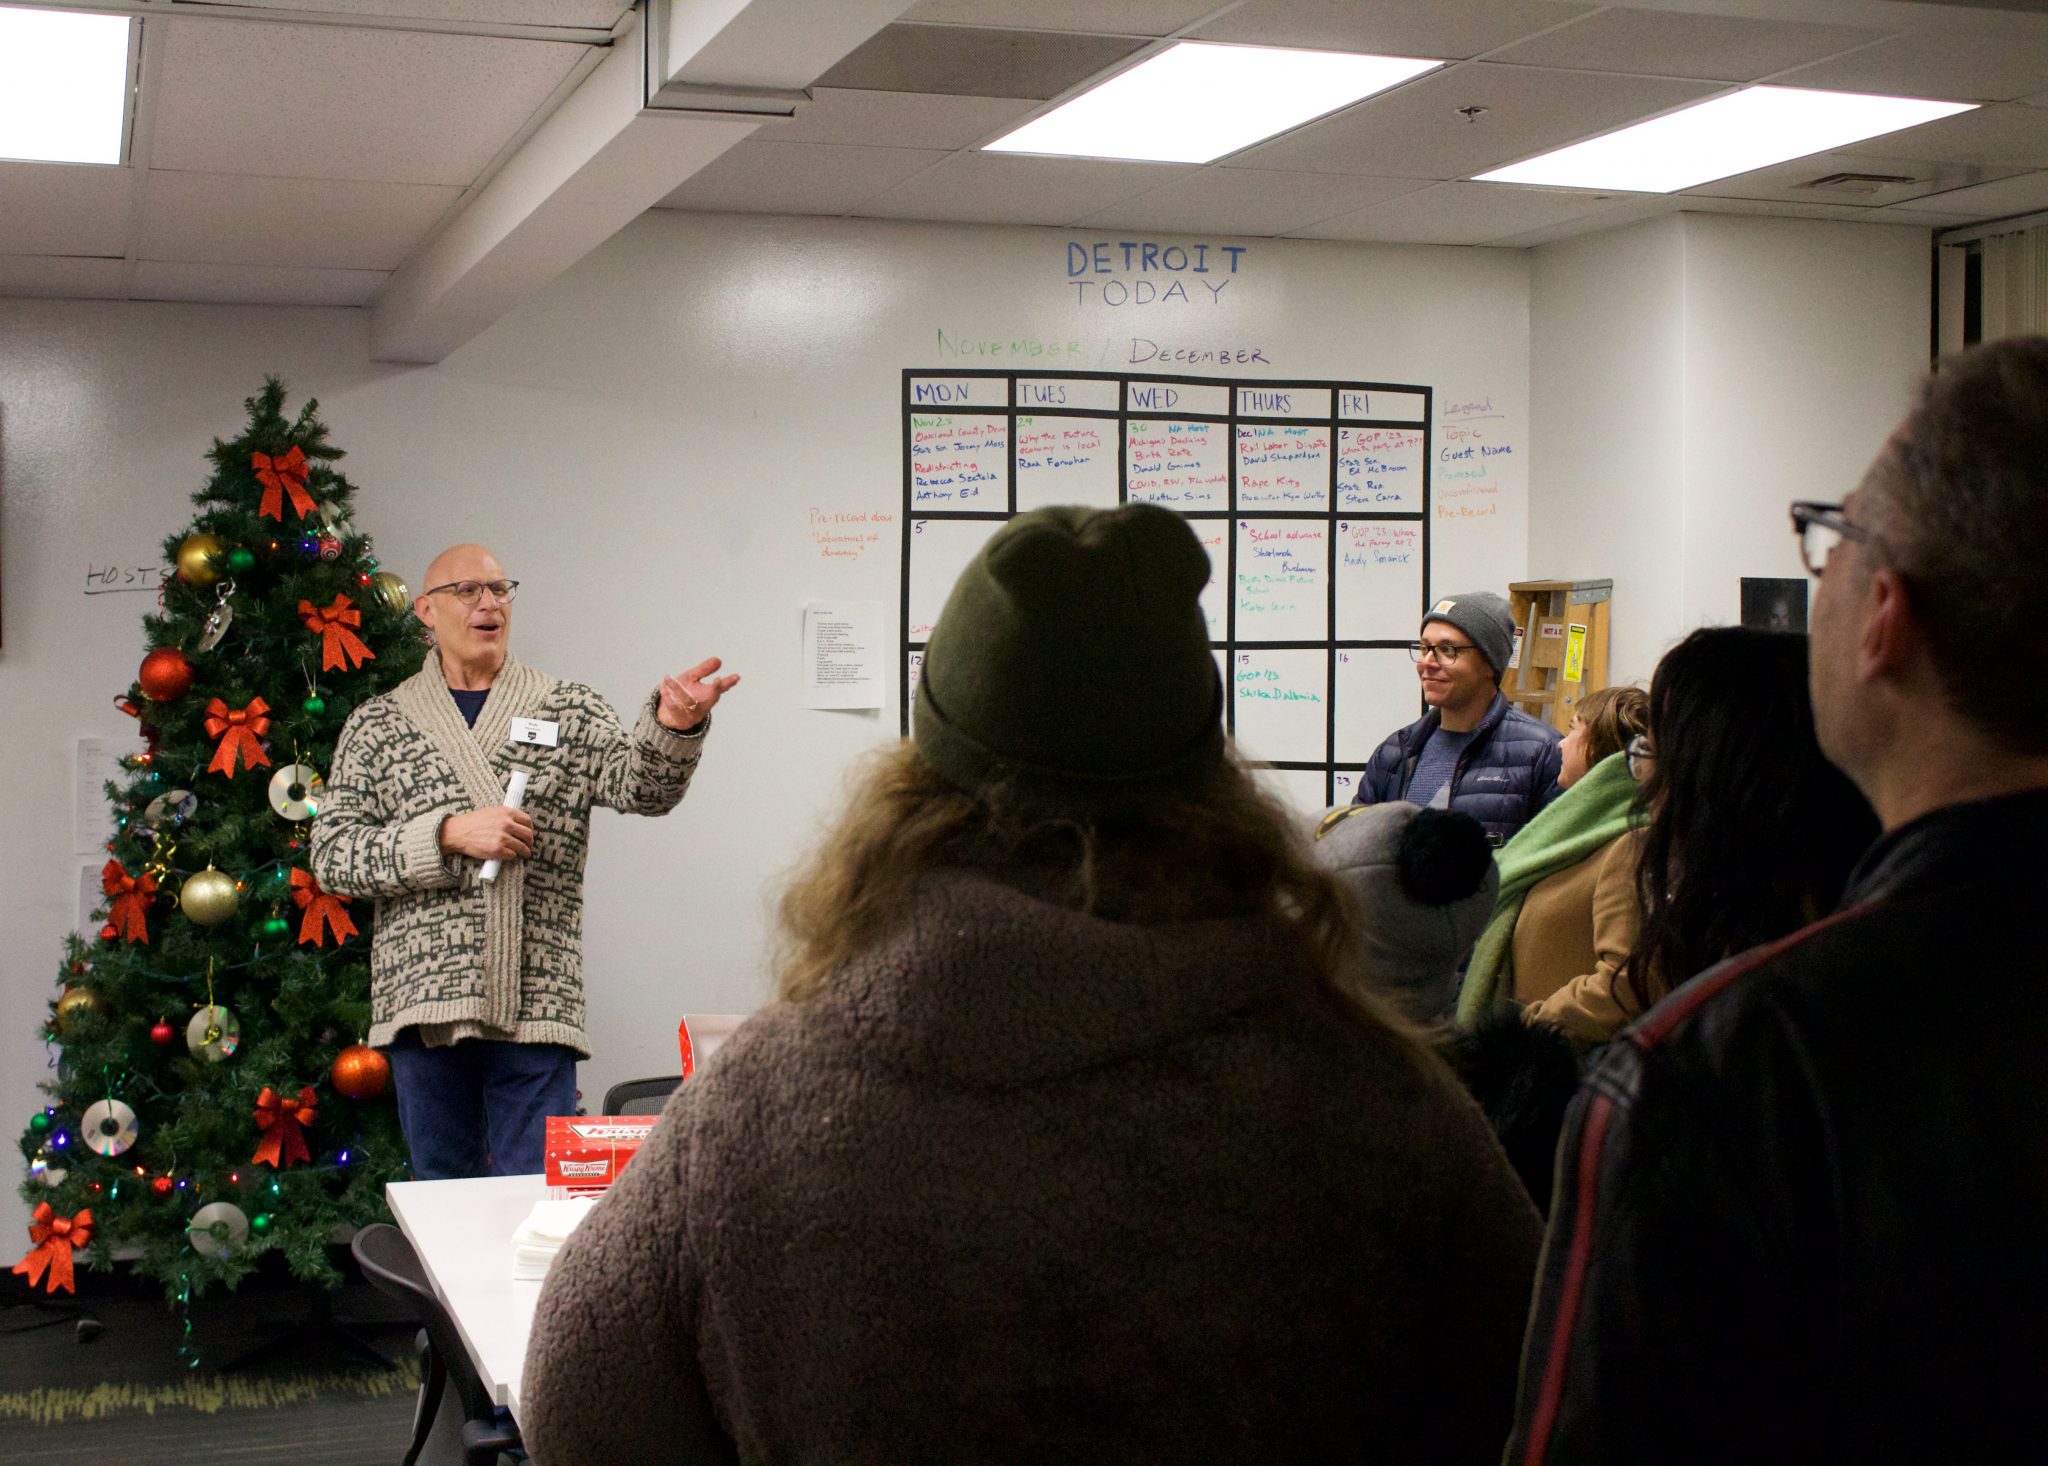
{"type": "Point", "coordinates": [392, 1267]}
{"type": "Point", "coordinates": [640, 1096]}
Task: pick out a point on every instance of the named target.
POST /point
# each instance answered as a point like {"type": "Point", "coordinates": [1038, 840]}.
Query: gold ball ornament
{"type": "Point", "coordinates": [391, 592]}
{"type": "Point", "coordinates": [209, 898]}
{"type": "Point", "coordinates": [360, 1072]}
{"type": "Point", "coordinates": [197, 554]}
{"type": "Point", "coordinates": [76, 1001]}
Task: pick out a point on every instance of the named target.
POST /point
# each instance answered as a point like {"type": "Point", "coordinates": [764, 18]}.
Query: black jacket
{"type": "Point", "coordinates": [1507, 773]}
{"type": "Point", "coordinates": [1802, 1206]}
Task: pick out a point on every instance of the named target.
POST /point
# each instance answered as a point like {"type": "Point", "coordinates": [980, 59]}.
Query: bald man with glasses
{"type": "Point", "coordinates": [476, 969]}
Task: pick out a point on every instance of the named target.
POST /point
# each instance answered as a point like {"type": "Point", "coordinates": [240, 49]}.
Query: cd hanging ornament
{"type": "Point", "coordinates": [213, 1034]}
{"type": "Point", "coordinates": [196, 556]}
{"type": "Point", "coordinates": [218, 620]}
{"type": "Point", "coordinates": [295, 792]}
{"type": "Point", "coordinates": [218, 1229]}
{"type": "Point", "coordinates": [390, 592]}
{"type": "Point", "coordinates": [165, 674]}
{"type": "Point", "coordinates": [172, 807]}
{"type": "Point", "coordinates": [45, 1168]}
{"type": "Point", "coordinates": [108, 1127]}
{"type": "Point", "coordinates": [332, 517]}
{"type": "Point", "coordinates": [209, 898]}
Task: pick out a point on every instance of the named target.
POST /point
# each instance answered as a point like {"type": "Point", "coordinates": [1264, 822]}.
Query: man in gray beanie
{"type": "Point", "coordinates": [1470, 751]}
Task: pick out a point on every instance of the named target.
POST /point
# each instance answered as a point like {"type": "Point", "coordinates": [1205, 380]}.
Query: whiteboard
{"type": "Point", "coordinates": [1295, 586]}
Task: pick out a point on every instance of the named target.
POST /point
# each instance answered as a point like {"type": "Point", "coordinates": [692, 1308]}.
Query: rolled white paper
{"type": "Point", "coordinates": [515, 795]}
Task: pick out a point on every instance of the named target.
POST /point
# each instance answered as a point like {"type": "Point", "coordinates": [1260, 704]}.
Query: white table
{"type": "Point", "coordinates": [462, 1231]}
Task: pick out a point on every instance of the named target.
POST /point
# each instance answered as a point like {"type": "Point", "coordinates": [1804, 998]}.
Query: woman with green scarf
{"type": "Point", "coordinates": [1567, 914]}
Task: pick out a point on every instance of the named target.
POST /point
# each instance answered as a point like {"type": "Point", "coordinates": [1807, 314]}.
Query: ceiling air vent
{"type": "Point", "coordinates": [1860, 183]}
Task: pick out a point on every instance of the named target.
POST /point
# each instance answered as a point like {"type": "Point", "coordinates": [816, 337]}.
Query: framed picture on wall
{"type": "Point", "coordinates": [1774, 605]}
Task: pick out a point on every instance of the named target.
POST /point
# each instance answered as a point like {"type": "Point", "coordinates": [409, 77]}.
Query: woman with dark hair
{"type": "Point", "coordinates": [1752, 832]}
{"type": "Point", "coordinates": [1076, 1134]}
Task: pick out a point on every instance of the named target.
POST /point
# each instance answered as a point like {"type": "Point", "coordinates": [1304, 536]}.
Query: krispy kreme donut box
{"type": "Point", "coordinates": [585, 1153]}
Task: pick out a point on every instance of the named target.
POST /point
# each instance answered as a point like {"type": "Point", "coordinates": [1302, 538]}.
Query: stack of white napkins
{"type": "Point", "coordinates": [542, 1234]}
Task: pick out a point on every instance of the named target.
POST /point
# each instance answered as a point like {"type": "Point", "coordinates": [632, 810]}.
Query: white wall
{"type": "Point", "coordinates": [643, 444]}
{"type": "Point", "coordinates": [1691, 377]}
{"type": "Point", "coordinates": [1803, 340]}
{"type": "Point", "coordinates": [1606, 412]}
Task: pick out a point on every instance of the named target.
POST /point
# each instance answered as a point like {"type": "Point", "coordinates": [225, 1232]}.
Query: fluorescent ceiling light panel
{"type": "Point", "coordinates": [1195, 101]}
{"type": "Point", "coordinates": [1734, 134]}
{"type": "Point", "coordinates": [63, 85]}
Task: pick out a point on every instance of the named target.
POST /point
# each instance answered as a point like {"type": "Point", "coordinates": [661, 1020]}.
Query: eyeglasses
{"type": "Point", "coordinates": [1639, 753]}
{"type": "Point", "coordinates": [1820, 528]}
{"type": "Point", "coordinates": [1446, 652]}
{"type": "Point", "coordinates": [469, 592]}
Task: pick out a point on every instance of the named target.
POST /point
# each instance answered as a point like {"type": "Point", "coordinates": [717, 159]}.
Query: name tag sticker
{"type": "Point", "coordinates": [536, 732]}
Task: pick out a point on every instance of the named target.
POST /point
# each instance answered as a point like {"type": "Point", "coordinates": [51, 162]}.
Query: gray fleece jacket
{"type": "Point", "coordinates": [1030, 1186]}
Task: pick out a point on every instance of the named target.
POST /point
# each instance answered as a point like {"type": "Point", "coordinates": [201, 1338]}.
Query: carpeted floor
{"type": "Point", "coordinates": [123, 1395]}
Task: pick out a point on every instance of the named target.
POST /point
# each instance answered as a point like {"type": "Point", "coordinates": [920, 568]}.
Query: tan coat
{"type": "Point", "coordinates": [1575, 930]}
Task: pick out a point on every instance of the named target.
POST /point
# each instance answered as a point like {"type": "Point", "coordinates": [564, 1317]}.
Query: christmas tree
{"type": "Point", "coordinates": [213, 1100]}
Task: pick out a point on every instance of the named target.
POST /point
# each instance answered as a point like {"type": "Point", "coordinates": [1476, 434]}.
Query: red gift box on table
{"type": "Point", "coordinates": [585, 1153]}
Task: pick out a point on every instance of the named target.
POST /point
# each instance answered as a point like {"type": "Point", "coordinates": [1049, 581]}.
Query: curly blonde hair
{"type": "Point", "coordinates": [1219, 846]}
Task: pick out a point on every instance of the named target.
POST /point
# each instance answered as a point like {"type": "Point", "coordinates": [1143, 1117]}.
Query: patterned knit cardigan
{"type": "Point", "coordinates": [452, 955]}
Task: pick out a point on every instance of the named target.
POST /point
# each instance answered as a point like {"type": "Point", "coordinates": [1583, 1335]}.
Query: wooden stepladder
{"type": "Point", "coordinates": [1560, 646]}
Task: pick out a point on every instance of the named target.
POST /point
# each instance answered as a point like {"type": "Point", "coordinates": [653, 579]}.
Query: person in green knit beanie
{"type": "Point", "coordinates": [1567, 914]}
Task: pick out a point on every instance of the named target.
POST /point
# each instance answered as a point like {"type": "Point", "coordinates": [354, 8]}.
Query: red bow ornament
{"type": "Point", "coordinates": [238, 729]}
{"type": "Point", "coordinates": [320, 907]}
{"type": "Point", "coordinates": [132, 895]}
{"type": "Point", "coordinates": [283, 1121]}
{"type": "Point", "coordinates": [54, 1238]}
{"type": "Point", "coordinates": [284, 474]}
{"type": "Point", "coordinates": [332, 624]}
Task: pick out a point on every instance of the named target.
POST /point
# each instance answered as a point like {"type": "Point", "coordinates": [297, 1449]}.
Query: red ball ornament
{"type": "Point", "coordinates": [109, 932]}
{"type": "Point", "coordinates": [161, 1185]}
{"type": "Point", "coordinates": [360, 1072]}
{"type": "Point", "coordinates": [161, 1033]}
{"type": "Point", "coordinates": [165, 674]}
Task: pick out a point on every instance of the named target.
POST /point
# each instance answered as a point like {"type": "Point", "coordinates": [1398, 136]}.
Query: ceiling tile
{"type": "Point", "coordinates": [898, 119]}
{"type": "Point", "coordinates": [233, 219]}
{"type": "Point", "coordinates": [1614, 216]}
{"type": "Point", "coordinates": [1004, 188]}
{"type": "Point", "coordinates": [1415, 131]}
{"type": "Point", "coordinates": [582, 13]}
{"type": "Point", "coordinates": [1248, 201]}
{"type": "Point", "coordinates": [64, 209]}
{"type": "Point", "coordinates": [1114, 17]}
{"type": "Point", "coordinates": [59, 275]}
{"type": "Point", "coordinates": [967, 61]}
{"type": "Point", "coordinates": [1982, 57]}
{"type": "Point", "coordinates": [1837, 212]}
{"type": "Point", "coordinates": [1461, 213]}
{"type": "Point", "coordinates": [1669, 43]}
{"type": "Point", "coordinates": [254, 284]}
{"type": "Point", "coordinates": [1783, 181]}
{"type": "Point", "coordinates": [769, 176]}
{"type": "Point", "coordinates": [326, 102]}
{"type": "Point", "coordinates": [1995, 134]}
{"type": "Point", "coordinates": [1388, 27]}
{"type": "Point", "coordinates": [2026, 194]}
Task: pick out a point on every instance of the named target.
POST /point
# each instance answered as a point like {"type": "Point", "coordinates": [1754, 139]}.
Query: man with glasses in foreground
{"type": "Point", "coordinates": [1802, 1210]}
{"type": "Point", "coordinates": [476, 981]}
{"type": "Point", "coordinates": [1470, 751]}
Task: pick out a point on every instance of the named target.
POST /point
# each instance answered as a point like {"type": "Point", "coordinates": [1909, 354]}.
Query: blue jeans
{"type": "Point", "coordinates": [479, 1107]}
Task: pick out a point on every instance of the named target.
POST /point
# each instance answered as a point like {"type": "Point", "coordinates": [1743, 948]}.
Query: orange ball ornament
{"type": "Point", "coordinates": [360, 1072]}
{"type": "Point", "coordinates": [165, 674]}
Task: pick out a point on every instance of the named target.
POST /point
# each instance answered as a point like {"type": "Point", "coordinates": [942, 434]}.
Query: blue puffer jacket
{"type": "Point", "coordinates": [1507, 773]}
